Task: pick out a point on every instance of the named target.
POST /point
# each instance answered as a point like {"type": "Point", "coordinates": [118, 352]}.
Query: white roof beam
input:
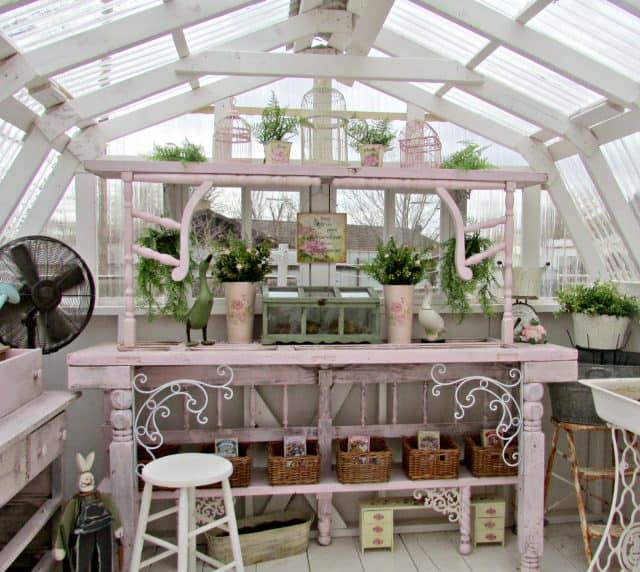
{"type": "Point", "coordinates": [15, 70]}
{"type": "Point", "coordinates": [47, 94]}
{"type": "Point", "coordinates": [7, 49]}
{"type": "Point", "coordinates": [538, 47]}
{"type": "Point", "coordinates": [305, 42]}
{"type": "Point", "coordinates": [328, 66]}
{"type": "Point", "coordinates": [6, 5]}
{"type": "Point", "coordinates": [17, 114]}
{"type": "Point", "coordinates": [180, 43]}
{"type": "Point", "coordinates": [631, 6]}
{"type": "Point", "coordinates": [531, 10]}
{"type": "Point", "coordinates": [596, 114]}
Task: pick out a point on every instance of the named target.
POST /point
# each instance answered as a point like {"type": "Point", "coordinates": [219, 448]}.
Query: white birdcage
{"type": "Point", "coordinates": [420, 145]}
{"type": "Point", "coordinates": [324, 130]}
{"type": "Point", "coordinates": [232, 139]}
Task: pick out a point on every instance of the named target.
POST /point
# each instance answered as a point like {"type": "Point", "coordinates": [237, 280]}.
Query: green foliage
{"type": "Point", "coordinates": [402, 264]}
{"type": "Point", "coordinates": [274, 125]}
{"type": "Point", "coordinates": [185, 153]}
{"type": "Point", "coordinates": [602, 298]}
{"type": "Point", "coordinates": [455, 288]}
{"type": "Point", "coordinates": [153, 279]}
{"type": "Point", "coordinates": [236, 262]}
{"type": "Point", "coordinates": [467, 159]}
{"type": "Point", "coordinates": [363, 132]}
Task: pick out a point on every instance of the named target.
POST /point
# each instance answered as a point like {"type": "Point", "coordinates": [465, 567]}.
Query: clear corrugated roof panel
{"type": "Point", "coordinates": [537, 81]}
{"type": "Point", "coordinates": [62, 223]}
{"type": "Point", "coordinates": [156, 98]}
{"type": "Point", "coordinates": [236, 24]}
{"type": "Point", "coordinates": [46, 21]}
{"type": "Point", "coordinates": [453, 138]}
{"type": "Point", "coordinates": [433, 31]}
{"type": "Point", "coordinates": [10, 145]}
{"type": "Point", "coordinates": [119, 66]}
{"type": "Point", "coordinates": [510, 8]}
{"type": "Point", "coordinates": [623, 156]}
{"type": "Point", "coordinates": [590, 207]}
{"type": "Point", "coordinates": [490, 111]}
{"type": "Point", "coordinates": [600, 30]}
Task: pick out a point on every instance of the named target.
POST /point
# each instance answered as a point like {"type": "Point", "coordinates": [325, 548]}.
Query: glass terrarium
{"type": "Point", "coordinates": [319, 314]}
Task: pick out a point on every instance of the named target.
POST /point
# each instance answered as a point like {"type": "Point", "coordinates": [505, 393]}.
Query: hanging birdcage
{"type": "Point", "coordinates": [420, 145]}
{"type": "Point", "coordinates": [232, 138]}
{"type": "Point", "coordinates": [324, 129]}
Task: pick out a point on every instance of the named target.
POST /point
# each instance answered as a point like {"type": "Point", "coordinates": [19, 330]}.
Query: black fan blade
{"type": "Point", "coordinates": [56, 326]}
{"type": "Point", "coordinates": [72, 277]}
{"type": "Point", "coordinates": [22, 259]}
{"type": "Point", "coordinates": [11, 314]}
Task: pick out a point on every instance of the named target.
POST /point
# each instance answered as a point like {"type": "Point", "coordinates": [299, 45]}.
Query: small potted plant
{"type": "Point", "coordinates": [371, 139]}
{"type": "Point", "coordinates": [600, 314]}
{"type": "Point", "coordinates": [239, 267]}
{"type": "Point", "coordinates": [186, 153]}
{"type": "Point", "coordinates": [272, 131]}
{"type": "Point", "coordinates": [468, 158]}
{"type": "Point", "coordinates": [399, 268]}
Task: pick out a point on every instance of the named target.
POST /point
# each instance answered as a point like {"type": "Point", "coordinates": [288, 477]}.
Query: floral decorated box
{"type": "Point", "coordinates": [318, 314]}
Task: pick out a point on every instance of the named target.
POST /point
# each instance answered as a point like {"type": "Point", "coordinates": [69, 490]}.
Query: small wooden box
{"type": "Point", "coordinates": [376, 527]}
{"type": "Point", "coordinates": [487, 515]}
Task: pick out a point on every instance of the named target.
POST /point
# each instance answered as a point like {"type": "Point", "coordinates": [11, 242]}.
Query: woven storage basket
{"type": "Point", "coordinates": [487, 461]}
{"type": "Point", "coordinates": [302, 470]}
{"type": "Point", "coordinates": [241, 476]}
{"type": "Point", "coordinates": [357, 467]}
{"type": "Point", "coordinates": [440, 463]}
{"type": "Point", "coordinates": [284, 540]}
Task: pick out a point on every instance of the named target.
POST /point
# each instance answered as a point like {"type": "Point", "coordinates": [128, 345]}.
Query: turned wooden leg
{"type": "Point", "coordinates": [324, 518]}
{"type": "Point", "coordinates": [465, 520]}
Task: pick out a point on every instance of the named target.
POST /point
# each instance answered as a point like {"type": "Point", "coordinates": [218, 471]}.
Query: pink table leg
{"type": "Point", "coordinates": [324, 518]}
{"type": "Point", "coordinates": [465, 521]}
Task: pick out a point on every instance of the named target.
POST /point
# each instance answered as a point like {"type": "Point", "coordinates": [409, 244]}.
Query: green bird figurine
{"type": "Point", "coordinates": [198, 316]}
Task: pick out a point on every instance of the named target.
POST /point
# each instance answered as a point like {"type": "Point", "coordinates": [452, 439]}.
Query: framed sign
{"type": "Point", "coordinates": [321, 237]}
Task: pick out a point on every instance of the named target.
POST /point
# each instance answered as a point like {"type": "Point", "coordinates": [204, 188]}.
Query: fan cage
{"type": "Point", "coordinates": [420, 145]}
{"type": "Point", "coordinates": [232, 139]}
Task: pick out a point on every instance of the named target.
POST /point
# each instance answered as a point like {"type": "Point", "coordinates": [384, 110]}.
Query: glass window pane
{"type": "Point", "coordinates": [623, 156]}
{"type": "Point", "coordinates": [10, 145]}
{"type": "Point", "coordinates": [62, 223]}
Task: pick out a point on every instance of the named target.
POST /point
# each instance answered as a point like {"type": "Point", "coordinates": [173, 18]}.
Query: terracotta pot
{"type": "Point", "coordinates": [277, 152]}
{"type": "Point", "coordinates": [371, 155]}
{"type": "Point", "coordinates": [599, 332]}
{"type": "Point", "coordinates": [398, 304]}
{"type": "Point", "coordinates": [240, 298]}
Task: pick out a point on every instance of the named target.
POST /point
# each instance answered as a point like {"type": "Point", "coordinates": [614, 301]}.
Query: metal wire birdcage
{"type": "Point", "coordinates": [324, 129]}
{"type": "Point", "coordinates": [420, 145]}
{"type": "Point", "coordinates": [232, 138]}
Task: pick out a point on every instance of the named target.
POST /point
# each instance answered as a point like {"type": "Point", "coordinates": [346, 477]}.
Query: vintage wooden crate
{"type": "Point", "coordinates": [317, 314]}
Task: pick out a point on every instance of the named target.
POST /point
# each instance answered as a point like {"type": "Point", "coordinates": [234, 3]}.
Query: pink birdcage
{"type": "Point", "coordinates": [420, 145]}
{"type": "Point", "coordinates": [232, 138]}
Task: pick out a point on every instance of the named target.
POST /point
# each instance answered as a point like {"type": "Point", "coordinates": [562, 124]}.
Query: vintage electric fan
{"type": "Point", "coordinates": [55, 293]}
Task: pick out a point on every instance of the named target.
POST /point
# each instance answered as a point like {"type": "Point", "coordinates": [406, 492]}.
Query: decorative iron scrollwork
{"type": "Point", "coordinates": [443, 501]}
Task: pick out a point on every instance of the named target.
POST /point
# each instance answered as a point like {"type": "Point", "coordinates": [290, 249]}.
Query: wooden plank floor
{"type": "Point", "coordinates": [424, 552]}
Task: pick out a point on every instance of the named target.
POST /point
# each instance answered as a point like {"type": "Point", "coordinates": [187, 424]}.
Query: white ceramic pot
{"type": "Point", "coordinates": [398, 304]}
{"type": "Point", "coordinates": [277, 152]}
{"type": "Point", "coordinates": [240, 298]}
{"type": "Point", "coordinates": [599, 332]}
{"type": "Point", "coordinates": [371, 155]}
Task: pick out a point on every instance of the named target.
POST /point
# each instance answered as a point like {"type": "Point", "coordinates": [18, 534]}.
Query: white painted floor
{"type": "Point", "coordinates": [425, 552]}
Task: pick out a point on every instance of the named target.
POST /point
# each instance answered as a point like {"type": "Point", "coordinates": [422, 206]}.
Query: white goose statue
{"type": "Point", "coordinates": [429, 319]}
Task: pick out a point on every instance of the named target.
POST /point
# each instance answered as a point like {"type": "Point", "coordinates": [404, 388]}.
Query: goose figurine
{"type": "Point", "coordinates": [429, 319]}
{"type": "Point", "coordinates": [198, 316]}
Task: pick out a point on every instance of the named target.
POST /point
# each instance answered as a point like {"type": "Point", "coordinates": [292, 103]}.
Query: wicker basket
{"type": "Point", "coordinates": [440, 463]}
{"type": "Point", "coordinates": [241, 476]}
{"type": "Point", "coordinates": [302, 470]}
{"type": "Point", "coordinates": [357, 467]}
{"type": "Point", "coordinates": [278, 542]}
{"type": "Point", "coordinates": [487, 461]}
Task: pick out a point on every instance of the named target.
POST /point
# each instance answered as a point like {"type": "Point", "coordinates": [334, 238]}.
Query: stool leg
{"type": "Point", "coordinates": [138, 543]}
{"type": "Point", "coordinates": [552, 458]}
{"type": "Point", "coordinates": [584, 525]}
{"type": "Point", "coordinates": [192, 527]}
{"type": "Point", "coordinates": [183, 530]}
{"type": "Point", "coordinates": [233, 525]}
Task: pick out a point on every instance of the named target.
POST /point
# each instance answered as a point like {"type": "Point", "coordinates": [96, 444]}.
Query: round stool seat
{"type": "Point", "coordinates": [187, 470]}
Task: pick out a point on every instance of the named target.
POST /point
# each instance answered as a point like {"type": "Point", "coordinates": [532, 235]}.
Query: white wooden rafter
{"type": "Point", "coordinates": [531, 10]}
{"type": "Point", "coordinates": [539, 48]}
{"type": "Point", "coordinates": [6, 5]}
{"type": "Point", "coordinates": [16, 113]}
{"type": "Point", "coordinates": [305, 42]}
{"type": "Point", "coordinates": [631, 6]}
{"type": "Point", "coordinates": [7, 49]}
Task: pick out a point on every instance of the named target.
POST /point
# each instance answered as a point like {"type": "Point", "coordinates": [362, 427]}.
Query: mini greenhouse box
{"type": "Point", "coordinates": [318, 314]}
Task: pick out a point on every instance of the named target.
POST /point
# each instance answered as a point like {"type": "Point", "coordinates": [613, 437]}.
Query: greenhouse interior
{"type": "Point", "coordinates": [319, 285]}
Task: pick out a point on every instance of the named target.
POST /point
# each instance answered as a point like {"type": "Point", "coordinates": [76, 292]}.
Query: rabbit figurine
{"type": "Point", "coordinates": [89, 521]}
{"type": "Point", "coordinates": [429, 319]}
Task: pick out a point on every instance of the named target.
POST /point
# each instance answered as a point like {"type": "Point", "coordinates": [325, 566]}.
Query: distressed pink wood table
{"type": "Point", "coordinates": [458, 378]}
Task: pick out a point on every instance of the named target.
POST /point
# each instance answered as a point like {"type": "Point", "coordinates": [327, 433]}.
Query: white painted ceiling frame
{"type": "Point", "coordinates": [539, 48]}
{"type": "Point", "coordinates": [631, 6]}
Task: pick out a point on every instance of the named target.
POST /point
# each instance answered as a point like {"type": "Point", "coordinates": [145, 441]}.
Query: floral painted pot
{"type": "Point", "coordinates": [240, 298]}
{"type": "Point", "coordinates": [277, 152]}
{"type": "Point", "coordinates": [398, 303]}
{"type": "Point", "coordinates": [371, 155]}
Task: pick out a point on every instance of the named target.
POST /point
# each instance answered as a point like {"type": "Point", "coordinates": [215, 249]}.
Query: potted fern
{"type": "Point", "coordinates": [272, 131]}
{"type": "Point", "coordinates": [371, 139]}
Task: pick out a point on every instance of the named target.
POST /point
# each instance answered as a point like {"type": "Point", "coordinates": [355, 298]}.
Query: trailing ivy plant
{"type": "Point", "coordinates": [362, 132]}
{"type": "Point", "coordinates": [186, 153]}
{"type": "Point", "coordinates": [156, 290]}
{"type": "Point", "coordinates": [468, 158]}
{"type": "Point", "coordinates": [274, 125]}
{"type": "Point", "coordinates": [458, 290]}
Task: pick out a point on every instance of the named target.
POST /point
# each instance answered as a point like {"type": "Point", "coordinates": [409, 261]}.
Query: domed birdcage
{"type": "Point", "coordinates": [420, 145]}
{"type": "Point", "coordinates": [324, 131]}
{"type": "Point", "coordinates": [232, 139]}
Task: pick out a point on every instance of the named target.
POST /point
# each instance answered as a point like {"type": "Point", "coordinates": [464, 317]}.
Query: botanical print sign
{"type": "Point", "coordinates": [321, 237]}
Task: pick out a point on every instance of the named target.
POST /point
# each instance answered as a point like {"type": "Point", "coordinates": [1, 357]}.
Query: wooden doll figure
{"type": "Point", "coordinates": [84, 537]}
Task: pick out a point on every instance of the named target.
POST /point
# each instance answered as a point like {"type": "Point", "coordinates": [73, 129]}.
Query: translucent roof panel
{"type": "Point", "coordinates": [10, 145]}
{"type": "Point", "coordinates": [510, 8]}
{"type": "Point", "coordinates": [46, 21]}
{"type": "Point", "coordinates": [600, 30]}
{"type": "Point", "coordinates": [537, 81]}
{"type": "Point", "coordinates": [62, 223]}
{"type": "Point", "coordinates": [606, 239]}
{"type": "Point", "coordinates": [235, 24]}
{"type": "Point", "coordinates": [490, 111]}
{"type": "Point", "coordinates": [623, 157]}
{"type": "Point", "coordinates": [119, 66]}
{"type": "Point", "coordinates": [433, 31]}
{"type": "Point", "coordinates": [156, 98]}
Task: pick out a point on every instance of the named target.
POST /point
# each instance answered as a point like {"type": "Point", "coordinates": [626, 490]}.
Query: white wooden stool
{"type": "Point", "coordinates": [185, 472]}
